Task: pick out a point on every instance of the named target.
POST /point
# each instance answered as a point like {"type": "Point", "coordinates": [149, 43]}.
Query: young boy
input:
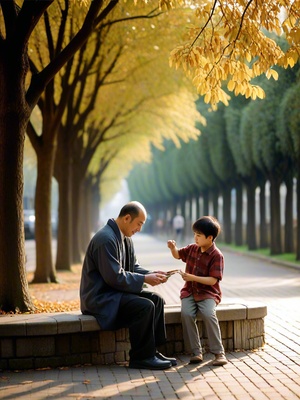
{"type": "Point", "coordinates": [201, 291]}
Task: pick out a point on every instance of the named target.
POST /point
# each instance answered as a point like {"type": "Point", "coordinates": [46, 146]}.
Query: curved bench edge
{"type": "Point", "coordinates": [75, 321]}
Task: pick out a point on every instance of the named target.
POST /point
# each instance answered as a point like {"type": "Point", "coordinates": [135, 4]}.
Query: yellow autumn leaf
{"type": "Point", "coordinates": [274, 74]}
{"type": "Point", "coordinates": [248, 92]}
{"type": "Point", "coordinates": [260, 92]}
{"type": "Point", "coordinates": [231, 85]}
{"type": "Point", "coordinates": [207, 98]}
{"type": "Point", "coordinates": [248, 57]}
{"type": "Point", "coordinates": [291, 61]}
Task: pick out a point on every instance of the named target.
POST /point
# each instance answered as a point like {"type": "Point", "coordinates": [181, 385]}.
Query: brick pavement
{"type": "Point", "coordinates": [271, 373]}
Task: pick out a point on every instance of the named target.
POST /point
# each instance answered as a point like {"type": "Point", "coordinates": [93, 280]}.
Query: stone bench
{"type": "Point", "coordinates": [30, 341]}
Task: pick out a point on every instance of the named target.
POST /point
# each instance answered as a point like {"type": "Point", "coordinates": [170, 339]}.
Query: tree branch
{"type": "Point", "coordinates": [10, 12]}
{"type": "Point", "coordinates": [40, 81]}
{"type": "Point", "coordinates": [147, 16]}
{"type": "Point", "coordinates": [203, 28]}
{"type": "Point", "coordinates": [28, 17]}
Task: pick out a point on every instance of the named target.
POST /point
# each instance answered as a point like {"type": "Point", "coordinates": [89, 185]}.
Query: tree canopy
{"type": "Point", "coordinates": [248, 148]}
{"type": "Point", "coordinates": [231, 43]}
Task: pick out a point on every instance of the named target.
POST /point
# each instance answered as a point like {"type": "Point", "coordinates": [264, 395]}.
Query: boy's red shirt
{"type": "Point", "coordinates": [208, 263]}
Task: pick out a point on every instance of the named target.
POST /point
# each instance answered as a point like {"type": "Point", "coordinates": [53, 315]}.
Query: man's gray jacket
{"type": "Point", "coordinates": [106, 276]}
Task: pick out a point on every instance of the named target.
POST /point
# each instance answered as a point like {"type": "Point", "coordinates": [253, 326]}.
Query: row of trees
{"type": "Point", "coordinates": [242, 148]}
{"type": "Point", "coordinates": [90, 114]}
{"type": "Point", "coordinates": [81, 79]}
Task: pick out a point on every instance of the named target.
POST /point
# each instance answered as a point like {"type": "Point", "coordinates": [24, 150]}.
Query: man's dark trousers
{"type": "Point", "coordinates": [143, 314]}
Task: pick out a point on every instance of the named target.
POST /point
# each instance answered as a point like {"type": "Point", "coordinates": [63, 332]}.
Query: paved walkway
{"type": "Point", "coordinates": [272, 373]}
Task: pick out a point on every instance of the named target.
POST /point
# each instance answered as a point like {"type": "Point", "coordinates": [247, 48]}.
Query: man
{"type": "Point", "coordinates": [111, 289]}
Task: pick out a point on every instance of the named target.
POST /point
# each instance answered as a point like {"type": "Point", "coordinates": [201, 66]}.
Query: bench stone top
{"type": "Point", "coordinates": [74, 321]}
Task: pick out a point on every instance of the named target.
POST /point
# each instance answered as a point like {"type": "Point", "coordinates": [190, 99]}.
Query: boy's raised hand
{"type": "Point", "coordinates": [171, 244]}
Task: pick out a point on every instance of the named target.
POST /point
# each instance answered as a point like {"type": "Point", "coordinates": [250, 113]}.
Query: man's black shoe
{"type": "Point", "coordinates": [150, 363]}
{"type": "Point", "coordinates": [164, 358]}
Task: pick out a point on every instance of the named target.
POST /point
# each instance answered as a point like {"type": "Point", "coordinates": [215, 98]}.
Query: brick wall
{"type": "Point", "coordinates": [107, 347]}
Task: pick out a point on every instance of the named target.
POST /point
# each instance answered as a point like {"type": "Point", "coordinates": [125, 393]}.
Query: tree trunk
{"type": "Point", "coordinates": [215, 201]}
{"type": "Point", "coordinates": [276, 245]}
{"type": "Point", "coordinates": [198, 209]}
{"type": "Point", "coordinates": [263, 228]}
{"type": "Point", "coordinates": [187, 219]}
{"type": "Point", "coordinates": [62, 174]}
{"type": "Point", "coordinates": [238, 232]}
{"type": "Point", "coordinates": [251, 225]}
{"type": "Point", "coordinates": [191, 217]}
{"type": "Point", "coordinates": [76, 184]}
{"type": "Point", "coordinates": [289, 220]}
{"type": "Point", "coordinates": [14, 116]}
{"type": "Point", "coordinates": [85, 230]}
{"type": "Point", "coordinates": [182, 208]}
{"type": "Point", "coordinates": [95, 215]}
{"type": "Point", "coordinates": [45, 271]}
{"type": "Point", "coordinates": [206, 202]}
{"type": "Point", "coordinates": [227, 214]}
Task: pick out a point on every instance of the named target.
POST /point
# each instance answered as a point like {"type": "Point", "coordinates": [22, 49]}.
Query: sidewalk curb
{"type": "Point", "coordinates": [261, 257]}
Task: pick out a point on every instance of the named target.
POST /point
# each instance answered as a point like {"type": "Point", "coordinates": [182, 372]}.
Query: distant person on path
{"type": "Point", "coordinates": [201, 291]}
{"type": "Point", "coordinates": [111, 289]}
{"type": "Point", "coordinates": [178, 226]}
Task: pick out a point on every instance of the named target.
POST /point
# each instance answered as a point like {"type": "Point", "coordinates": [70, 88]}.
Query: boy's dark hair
{"type": "Point", "coordinates": [208, 226]}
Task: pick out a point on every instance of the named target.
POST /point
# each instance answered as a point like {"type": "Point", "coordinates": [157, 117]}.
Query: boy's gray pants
{"type": "Point", "coordinates": [207, 310]}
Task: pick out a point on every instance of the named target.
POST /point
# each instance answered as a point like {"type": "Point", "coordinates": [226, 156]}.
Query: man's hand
{"type": "Point", "coordinates": [156, 278]}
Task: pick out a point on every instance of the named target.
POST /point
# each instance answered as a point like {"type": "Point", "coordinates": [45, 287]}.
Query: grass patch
{"type": "Point", "coordinates": [289, 257]}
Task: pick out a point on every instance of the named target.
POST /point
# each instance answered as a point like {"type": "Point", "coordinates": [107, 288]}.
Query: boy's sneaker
{"type": "Point", "coordinates": [220, 359]}
{"type": "Point", "coordinates": [196, 359]}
